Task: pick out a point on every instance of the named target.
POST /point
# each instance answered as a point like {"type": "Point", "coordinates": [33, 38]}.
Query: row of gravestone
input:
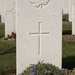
{"type": "Point", "coordinates": [8, 15]}
{"type": "Point", "coordinates": [72, 18]}
{"type": "Point", "coordinates": [39, 30]}
{"type": "Point", "coordinates": [69, 8]}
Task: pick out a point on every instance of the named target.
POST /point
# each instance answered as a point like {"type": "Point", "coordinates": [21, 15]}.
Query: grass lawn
{"type": "Point", "coordinates": [68, 54]}
{"type": "Point", "coordinates": [67, 28]}
{"type": "Point", "coordinates": [7, 55]}
{"type": "Point", "coordinates": [68, 47]}
{"type": "Point", "coordinates": [7, 52]}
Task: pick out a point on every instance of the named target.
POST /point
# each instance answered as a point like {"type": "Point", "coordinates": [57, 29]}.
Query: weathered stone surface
{"type": "Point", "coordinates": [65, 6]}
{"type": "Point", "coordinates": [73, 18]}
{"type": "Point", "coordinates": [39, 32]}
{"type": "Point", "coordinates": [10, 17]}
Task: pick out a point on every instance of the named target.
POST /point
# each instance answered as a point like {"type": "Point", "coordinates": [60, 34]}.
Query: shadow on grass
{"type": "Point", "coordinates": [1, 73]}
{"type": "Point", "coordinates": [68, 62]}
{"type": "Point", "coordinates": [67, 32]}
{"type": "Point", "coordinates": [8, 72]}
{"type": "Point", "coordinates": [11, 50]}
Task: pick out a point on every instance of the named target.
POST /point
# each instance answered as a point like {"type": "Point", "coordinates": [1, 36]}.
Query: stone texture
{"type": "Point", "coordinates": [39, 32]}
{"type": "Point", "coordinates": [2, 11]}
{"type": "Point", "coordinates": [65, 6]}
{"type": "Point", "coordinates": [70, 9]}
{"type": "Point", "coordinates": [73, 18]}
{"type": "Point", "coordinates": [0, 7]}
{"type": "Point", "coordinates": [10, 17]}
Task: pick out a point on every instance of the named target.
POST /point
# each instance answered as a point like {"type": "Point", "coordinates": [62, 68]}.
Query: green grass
{"type": "Point", "coordinates": [67, 28]}
{"type": "Point", "coordinates": [7, 52]}
{"type": "Point", "coordinates": [2, 30]}
{"type": "Point", "coordinates": [65, 17]}
{"type": "Point", "coordinates": [68, 54]}
{"type": "Point", "coordinates": [7, 55]}
{"type": "Point", "coordinates": [68, 47]}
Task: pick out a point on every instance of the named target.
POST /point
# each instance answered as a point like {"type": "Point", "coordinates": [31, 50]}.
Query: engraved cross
{"type": "Point", "coordinates": [39, 33]}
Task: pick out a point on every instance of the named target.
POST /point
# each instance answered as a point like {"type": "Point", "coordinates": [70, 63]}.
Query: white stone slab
{"type": "Point", "coordinates": [65, 6]}
{"type": "Point", "coordinates": [73, 18]}
{"type": "Point", "coordinates": [10, 17]}
{"type": "Point", "coordinates": [70, 9]}
{"type": "Point", "coordinates": [39, 32]}
{"type": "Point", "coordinates": [0, 7]}
{"type": "Point", "coordinates": [2, 11]}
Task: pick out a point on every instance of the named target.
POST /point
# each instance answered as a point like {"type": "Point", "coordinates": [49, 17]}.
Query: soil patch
{"type": "Point", "coordinates": [69, 37]}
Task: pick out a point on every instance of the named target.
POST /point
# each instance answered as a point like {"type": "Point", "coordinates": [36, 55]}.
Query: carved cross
{"type": "Point", "coordinates": [39, 33]}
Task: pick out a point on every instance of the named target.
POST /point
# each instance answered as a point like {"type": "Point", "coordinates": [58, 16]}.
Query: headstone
{"type": "Point", "coordinates": [70, 9]}
{"type": "Point", "coordinates": [2, 11]}
{"type": "Point", "coordinates": [10, 17]}
{"type": "Point", "coordinates": [73, 18]}
{"type": "Point", "coordinates": [65, 6]}
{"type": "Point", "coordinates": [39, 32]}
{"type": "Point", "coordinates": [0, 7]}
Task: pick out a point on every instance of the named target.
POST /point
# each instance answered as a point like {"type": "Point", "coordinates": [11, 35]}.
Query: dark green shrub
{"type": "Point", "coordinates": [65, 17]}
{"type": "Point", "coordinates": [43, 69]}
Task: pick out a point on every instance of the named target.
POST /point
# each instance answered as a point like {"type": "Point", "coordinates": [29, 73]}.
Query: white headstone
{"type": "Point", "coordinates": [10, 16]}
{"type": "Point", "coordinates": [39, 32]}
{"type": "Point", "coordinates": [73, 18]}
{"type": "Point", "coordinates": [65, 6]}
{"type": "Point", "coordinates": [0, 7]}
{"type": "Point", "coordinates": [2, 11]}
{"type": "Point", "coordinates": [70, 9]}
